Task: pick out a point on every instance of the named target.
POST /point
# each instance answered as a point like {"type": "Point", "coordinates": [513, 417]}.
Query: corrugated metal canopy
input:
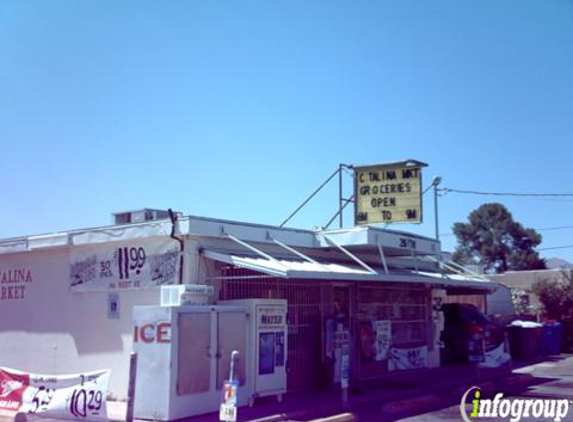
{"type": "Point", "coordinates": [292, 268]}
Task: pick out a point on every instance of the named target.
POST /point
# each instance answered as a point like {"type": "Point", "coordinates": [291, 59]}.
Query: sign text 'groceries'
{"type": "Point", "coordinates": [388, 193]}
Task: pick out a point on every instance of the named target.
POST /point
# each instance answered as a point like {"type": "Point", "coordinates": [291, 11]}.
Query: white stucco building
{"type": "Point", "coordinates": [66, 299]}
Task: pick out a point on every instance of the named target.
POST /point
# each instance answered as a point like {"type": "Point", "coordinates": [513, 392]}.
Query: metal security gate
{"type": "Point", "coordinates": [408, 310]}
{"type": "Point", "coordinates": [304, 318]}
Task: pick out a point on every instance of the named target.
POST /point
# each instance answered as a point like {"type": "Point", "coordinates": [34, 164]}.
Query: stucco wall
{"type": "Point", "coordinates": [524, 280]}
{"type": "Point", "coordinates": [45, 327]}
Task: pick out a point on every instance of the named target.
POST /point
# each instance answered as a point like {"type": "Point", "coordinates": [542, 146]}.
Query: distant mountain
{"type": "Point", "coordinates": [558, 263]}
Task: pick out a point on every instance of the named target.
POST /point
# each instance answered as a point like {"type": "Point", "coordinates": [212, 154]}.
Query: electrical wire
{"type": "Point", "coordinates": [554, 228]}
{"type": "Point", "coordinates": [515, 194]}
{"type": "Point", "coordinates": [554, 247]}
{"type": "Point", "coordinates": [473, 192]}
{"type": "Point", "coordinates": [537, 230]}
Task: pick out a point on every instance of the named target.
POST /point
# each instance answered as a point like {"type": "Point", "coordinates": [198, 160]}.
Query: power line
{"type": "Point", "coordinates": [554, 228]}
{"type": "Point", "coordinates": [538, 195]}
{"type": "Point", "coordinates": [537, 230]}
{"type": "Point", "coordinates": [535, 195]}
{"type": "Point", "coordinates": [537, 249]}
{"type": "Point", "coordinates": [554, 247]}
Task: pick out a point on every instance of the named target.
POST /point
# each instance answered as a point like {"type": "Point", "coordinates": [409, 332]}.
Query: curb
{"type": "Point", "coordinates": [517, 382]}
{"type": "Point", "coordinates": [486, 386]}
{"type": "Point", "coordinates": [411, 404]}
{"type": "Point", "coordinates": [342, 417]}
{"type": "Point", "coordinates": [404, 405]}
{"type": "Point", "coordinates": [273, 418]}
{"type": "Point", "coordinates": [315, 414]}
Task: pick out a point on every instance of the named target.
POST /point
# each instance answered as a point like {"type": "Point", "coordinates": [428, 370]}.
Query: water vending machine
{"type": "Point", "coordinates": [267, 333]}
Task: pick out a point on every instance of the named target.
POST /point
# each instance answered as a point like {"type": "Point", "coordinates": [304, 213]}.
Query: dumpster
{"type": "Point", "coordinates": [567, 334]}
{"type": "Point", "coordinates": [525, 339]}
{"type": "Point", "coordinates": [553, 337]}
{"type": "Point", "coordinates": [544, 341]}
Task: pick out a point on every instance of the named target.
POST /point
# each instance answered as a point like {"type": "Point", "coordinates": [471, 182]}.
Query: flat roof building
{"type": "Point", "coordinates": [67, 298]}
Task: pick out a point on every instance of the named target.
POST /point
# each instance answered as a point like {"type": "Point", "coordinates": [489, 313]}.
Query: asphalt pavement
{"type": "Point", "coordinates": [550, 380]}
{"type": "Point", "coordinates": [417, 396]}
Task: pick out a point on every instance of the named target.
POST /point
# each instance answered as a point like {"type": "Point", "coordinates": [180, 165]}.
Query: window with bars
{"type": "Point", "coordinates": [407, 308]}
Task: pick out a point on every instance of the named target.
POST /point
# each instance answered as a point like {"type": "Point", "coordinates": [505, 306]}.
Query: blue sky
{"type": "Point", "coordinates": [239, 110]}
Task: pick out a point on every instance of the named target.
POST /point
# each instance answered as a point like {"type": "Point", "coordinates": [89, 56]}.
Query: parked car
{"type": "Point", "coordinates": [464, 328]}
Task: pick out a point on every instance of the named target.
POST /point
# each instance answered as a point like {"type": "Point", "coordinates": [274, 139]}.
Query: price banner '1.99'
{"type": "Point", "coordinates": [124, 265]}
{"type": "Point", "coordinates": [78, 396]}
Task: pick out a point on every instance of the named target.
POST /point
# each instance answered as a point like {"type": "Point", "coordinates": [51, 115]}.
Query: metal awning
{"type": "Point", "coordinates": [286, 268]}
{"type": "Point", "coordinates": [293, 268]}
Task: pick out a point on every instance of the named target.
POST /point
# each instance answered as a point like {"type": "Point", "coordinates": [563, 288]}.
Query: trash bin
{"type": "Point", "coordinates": [553, 337]}
{"type": "Point", "coordinates": [567, 335]}
{"type": "Point", "coordinates": [545, 341]}
{"type": "Point", "coordinates": [524, 341]}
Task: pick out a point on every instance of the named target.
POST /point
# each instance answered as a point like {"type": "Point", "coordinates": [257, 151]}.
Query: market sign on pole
{"type": "Point", "coordinates": [388, 193]}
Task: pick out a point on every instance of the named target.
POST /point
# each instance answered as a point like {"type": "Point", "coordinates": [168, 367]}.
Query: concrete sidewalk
{"type": "Point", "coordinates": [400, 395]}
{"type": "Point", "coordinates": [552, 379]}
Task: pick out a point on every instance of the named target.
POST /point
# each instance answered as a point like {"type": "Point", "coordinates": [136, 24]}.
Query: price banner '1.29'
{"type": "Point", "coordinates": [78, 396]}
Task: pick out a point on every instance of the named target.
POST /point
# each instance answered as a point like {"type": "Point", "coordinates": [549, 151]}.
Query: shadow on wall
{"type": "Point", "coordinates": [82, 316]}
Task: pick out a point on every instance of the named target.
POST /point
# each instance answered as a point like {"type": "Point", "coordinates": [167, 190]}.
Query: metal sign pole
{"type": "Point", "coordinates": [228, 409]}
{"type": "Point", "coordinates": [234, 359]}
{"type": "Point", "coordinates": [345, 375]}
{"type": "Point", "coordinates": [340, 221]}
{"type": "Point", "coordinates": [131, 387]}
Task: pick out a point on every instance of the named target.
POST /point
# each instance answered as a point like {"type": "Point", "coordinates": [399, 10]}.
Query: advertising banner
{"type": "Point", "coordinates": [124, 265]}
{"type": "Point", "coordinates": [411, 358]}
{"type": "Point", "coordinates": [375, 339]}
{"type": "Point", "coordinates": [496, 357]}
{"type": "Point", "coordinates": [383, 330]}
{"type": "Point", "coordinates": [78, 396]}
{"type": "Point", "coordinates": [266, 353]}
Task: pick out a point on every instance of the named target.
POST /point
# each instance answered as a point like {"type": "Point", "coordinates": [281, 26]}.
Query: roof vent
{"type": "Point", "coordinates": [140, 216]}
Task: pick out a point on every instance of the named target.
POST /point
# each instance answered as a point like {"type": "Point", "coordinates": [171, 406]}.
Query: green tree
{"type": "Point", "coordinates": [492, 238]}
{"type": "Point", "coordinates": [556, 296]}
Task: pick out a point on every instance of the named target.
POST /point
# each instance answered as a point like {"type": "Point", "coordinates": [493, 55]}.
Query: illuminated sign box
{"type": "Point", "coordinates": [388, 193]}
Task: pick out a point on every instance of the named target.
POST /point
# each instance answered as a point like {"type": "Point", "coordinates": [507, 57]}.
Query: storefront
{"type": "Point", "coordinates": [67, 299]}
{"type": "Point", "coordinates": [369, 290]}
{"type": "Point", "coordinates": [367, 311]}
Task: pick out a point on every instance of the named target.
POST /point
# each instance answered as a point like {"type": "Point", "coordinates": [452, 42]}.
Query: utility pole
{"type": "Point", "coordinates": [340, 200]}
{"type": "Point", "coordinates": [435, 182]}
